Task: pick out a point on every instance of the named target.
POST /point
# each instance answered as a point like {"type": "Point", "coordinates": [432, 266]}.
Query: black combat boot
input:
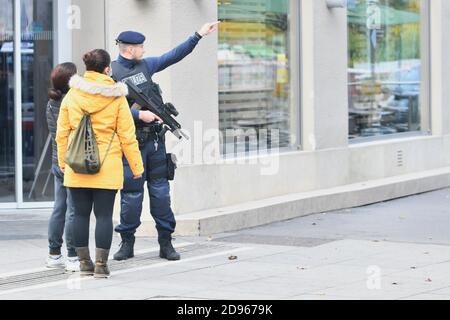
{"type": "Point", "coordinates": [166, 250]}
{"type": "Point", "coordinates": [126, 250]}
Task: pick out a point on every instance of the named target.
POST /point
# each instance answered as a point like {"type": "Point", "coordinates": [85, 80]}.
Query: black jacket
{"type": "Point", "coordinates": [52, 119]}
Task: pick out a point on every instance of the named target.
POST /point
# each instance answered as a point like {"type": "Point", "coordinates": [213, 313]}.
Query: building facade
{"type": "Point", "coordinates": [293, 107]}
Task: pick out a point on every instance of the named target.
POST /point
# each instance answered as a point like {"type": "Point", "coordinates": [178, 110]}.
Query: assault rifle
{"type": "Point", "coordinates": [166, 111]}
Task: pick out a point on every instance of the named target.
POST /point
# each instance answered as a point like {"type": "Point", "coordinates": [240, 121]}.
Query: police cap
{"type": "Point", "coordinates": [130, 37]}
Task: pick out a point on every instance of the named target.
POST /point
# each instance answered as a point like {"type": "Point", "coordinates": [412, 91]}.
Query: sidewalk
{"type": "Point", "coordinates": [392, 250]}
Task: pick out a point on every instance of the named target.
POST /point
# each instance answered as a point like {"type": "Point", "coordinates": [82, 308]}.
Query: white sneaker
{"type": "Point", "coordinates": [73, 264]}
{"type": "Point", "coordinates": [55, 261]}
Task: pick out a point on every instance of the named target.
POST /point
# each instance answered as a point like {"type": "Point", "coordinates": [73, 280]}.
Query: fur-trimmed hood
{"type": "Point", "coordinates": [94, 91]}
{"type": "Point", "coordinates": [100, 86]}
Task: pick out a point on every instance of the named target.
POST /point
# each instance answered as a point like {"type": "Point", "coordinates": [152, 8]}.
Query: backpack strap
{"type": "Point", "coordinates": [109, 146]}
{"type": "Point", "coordinates": [110, 142]}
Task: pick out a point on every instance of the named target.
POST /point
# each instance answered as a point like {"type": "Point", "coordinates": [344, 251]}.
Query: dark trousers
{"type": "Point", "coordinates": [103, 203]}
{"type": "Point", "coordinates": [132, 195]}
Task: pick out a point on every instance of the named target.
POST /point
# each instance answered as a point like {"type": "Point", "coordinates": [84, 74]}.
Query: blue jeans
{"type": "Point", "coordinates": [61, 220]}
{"type": "Point", "coordinates": [132, 194]}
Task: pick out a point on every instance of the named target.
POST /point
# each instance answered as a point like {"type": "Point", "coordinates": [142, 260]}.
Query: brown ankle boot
{"type": "Point", "coordinates": [86, 264]}
{"type": "Point", "coordinates": [101, 267]}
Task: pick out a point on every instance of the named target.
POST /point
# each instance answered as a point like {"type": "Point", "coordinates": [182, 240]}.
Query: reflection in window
{"type": "Point", "coordinates": [254, 79]}
{"type": "Point", "coordinates": [384, 71]}
{"type": "Point", "coordinates": [7, 157]}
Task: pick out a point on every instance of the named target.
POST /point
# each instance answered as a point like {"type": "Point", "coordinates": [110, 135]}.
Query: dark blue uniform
{"type": "Point", "coordinates": [153, 151]}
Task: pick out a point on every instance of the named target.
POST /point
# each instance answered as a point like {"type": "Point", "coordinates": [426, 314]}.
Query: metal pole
{"type": "Point", "coordinates": [46, 183]}
{"type": "Point", "coordinates": [41, 161]}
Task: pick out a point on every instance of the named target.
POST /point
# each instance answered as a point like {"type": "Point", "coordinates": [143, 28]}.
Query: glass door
{"type": "Point", "coordinates": [37, 62]}
{"type": "Point", "coordinates": [27, 55]}
{"type": "Point", "coordinates": [7, 150]}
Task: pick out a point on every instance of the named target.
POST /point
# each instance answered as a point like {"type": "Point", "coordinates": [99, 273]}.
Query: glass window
{"type": "Point", "coordinates": [7, 158]}
{"type": "Point", "coordinates": [37, 63]}
{"type": "Point", "coordinates": [255, 110]}
{"type": "Point", "coordinates": [385, 67]}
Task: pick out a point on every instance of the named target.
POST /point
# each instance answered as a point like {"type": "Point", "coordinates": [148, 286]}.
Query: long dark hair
{"type": "Point", "coordinates": [59, 80]}
{"type": "Point", "coordinates": [97, 60]}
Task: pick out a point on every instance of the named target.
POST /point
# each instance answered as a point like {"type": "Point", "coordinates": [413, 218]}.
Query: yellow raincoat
{"type": "Point", "coordinates": [98, 94]}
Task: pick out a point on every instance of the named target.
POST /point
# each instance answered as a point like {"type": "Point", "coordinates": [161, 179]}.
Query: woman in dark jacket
{"type": "Point", "coordinates": [61, 220]}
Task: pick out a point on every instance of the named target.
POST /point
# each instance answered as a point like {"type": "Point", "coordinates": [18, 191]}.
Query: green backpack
{"type": "Point", "coordinates": [82, 154]}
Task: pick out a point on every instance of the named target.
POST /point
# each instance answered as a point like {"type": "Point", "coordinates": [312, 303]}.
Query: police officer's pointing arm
{"type": "Point", "coordinates": [157, 64]}
{"type": "Point", "coordinates": [208, 28]}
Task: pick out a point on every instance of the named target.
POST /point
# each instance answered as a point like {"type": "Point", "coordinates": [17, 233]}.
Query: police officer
{"type": "Point", "coordinates": [132, 65]}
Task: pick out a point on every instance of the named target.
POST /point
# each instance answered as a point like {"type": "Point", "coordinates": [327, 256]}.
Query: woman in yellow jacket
{"type": "Point", "coordinates": [97, 94]}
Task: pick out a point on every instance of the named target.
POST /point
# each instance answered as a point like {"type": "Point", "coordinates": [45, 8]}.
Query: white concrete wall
{"type": "Point", "coordinates": [327, 160]}
{"type": "Point", "coordinates": [324, 76]}
{"type": "Point", "coordinates": [440, 66]}
{"type": "Point", "coordinates": [205, 187]}
{"type": "Point", "coordinates": [91, 34]}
